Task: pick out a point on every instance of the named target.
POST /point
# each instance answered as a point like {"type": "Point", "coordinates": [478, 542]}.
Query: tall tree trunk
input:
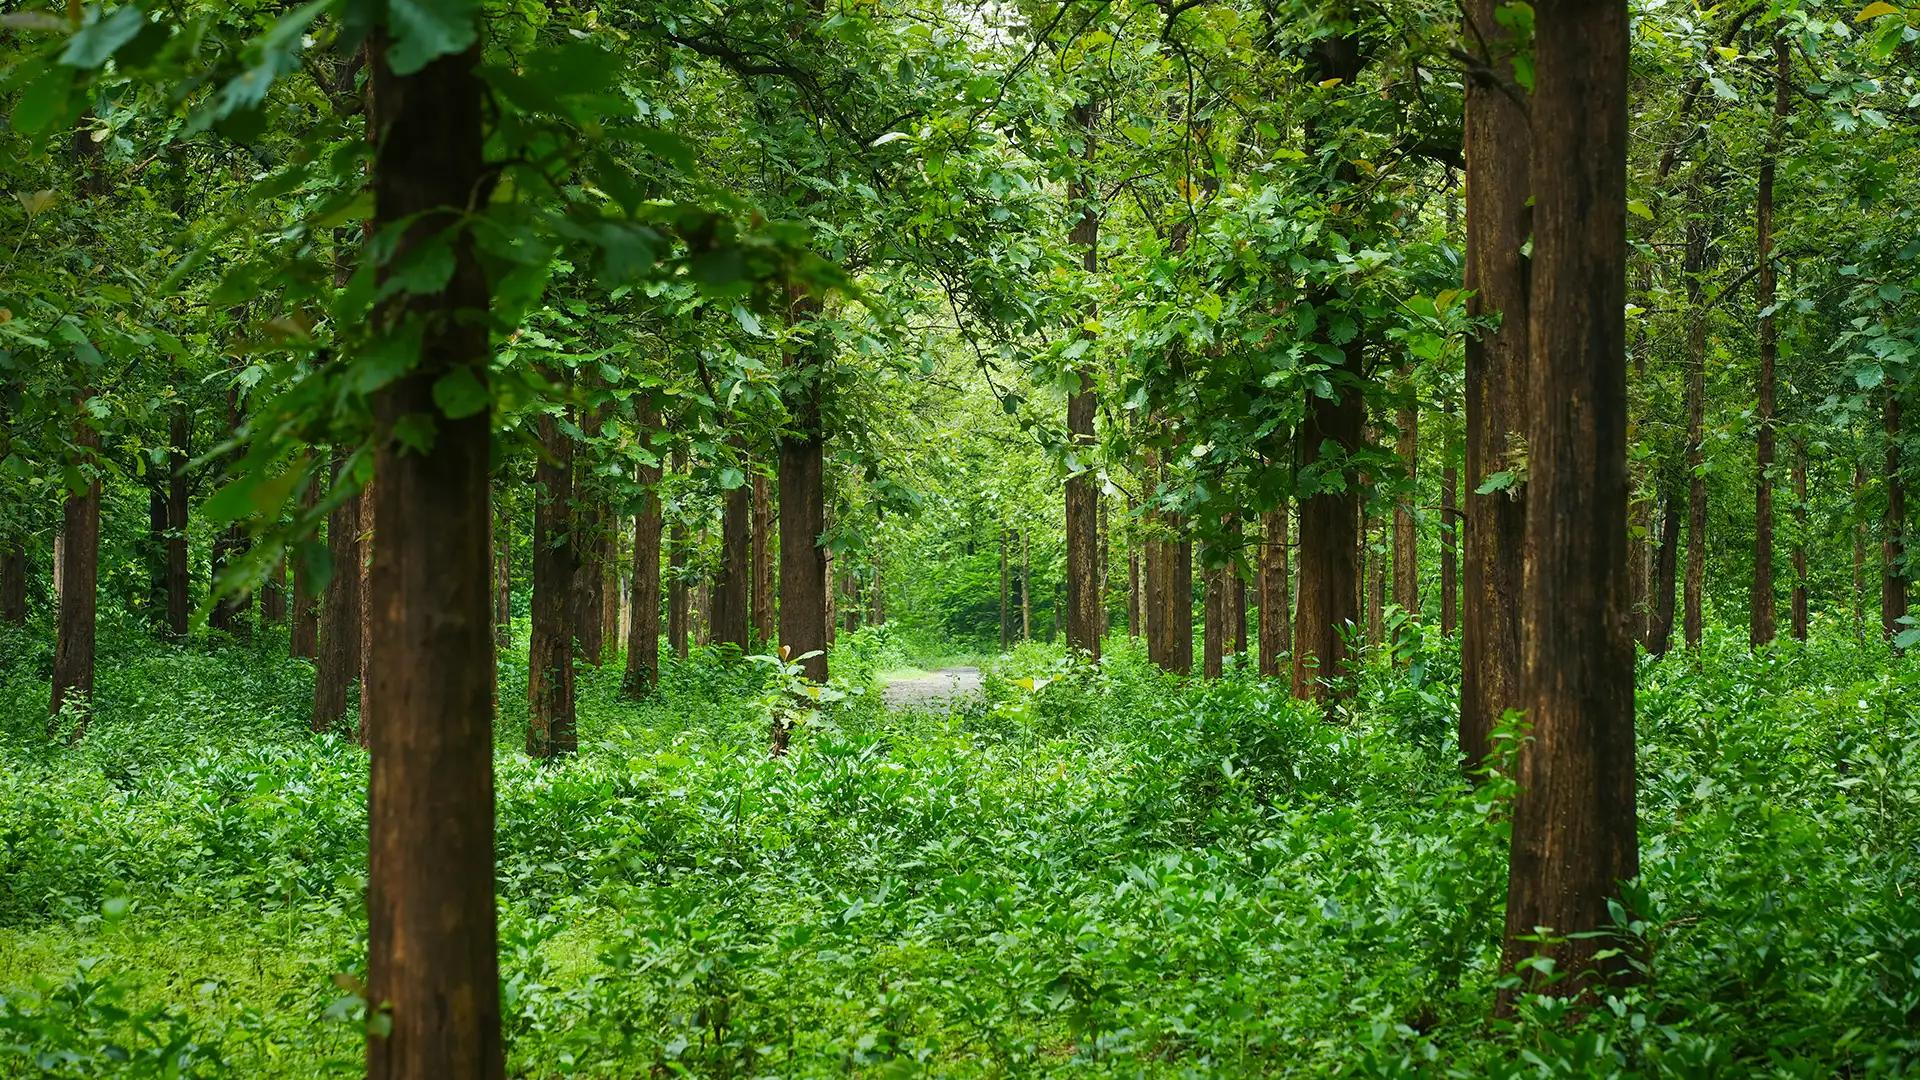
{"type": "Point", "coordinates": [1026, 587]}
{"type": "Point", "coordinates": [730, 583]}
{"type": "Point", "coordinates": [230, 545]}
{"type": "Point", "coordinates": [590, 531]}
{"type": "Point", "coordinates": [1449, 547]}
{"type": "Point", "coordinates": [1377, 590]}
{"type": "Point", "coordinates": [368, 542]}
{"type": "Point", "coordinates": [1083, 497]}
{"type": "Point", "coordinates": [1499, 150]}
{"type": "Point", "coordinates": [1574, 833]}
{"type": "Point", "coordinates": [1799, 540]}
{"type": "Point", "coordinates": [762, 555]}
{"type": "Point", "coordinates": [273, 595]}
{"type": "Point", "coordinates": [432, 944]}
{"type": "Point", "coordinates": [1893, 528]}
{"type": "Point", "coordinates": [643, 627]}
{"type": "Point", "coordinates": [1666, 559]}
{"type": "Point", "coordinates": [1695, 265]}
{"type": "Point", "coordinates": [1006, 612]}
{"type": "Point", "coordinates": [1275, 618]}
{"type": "Point", "coordinates": [13, 583]}
{"type": "Point", "coordinates": [679, 599]}
{"type": "Point", "coordinates": [551, 714]}
{"type": "Point", "coordinates": [339, 660]}
{"type": "Point", "coordinates": [73, 652]}
{"type": "Point", "coordinates": [804, 594]}
{"type": "Point", "coordinates": [503, 581]}
{"type": "Point", "coordinates": [1640, 528]}
{"type": "Point", "coordinates": [1406, 555]}
{"type": "Point", "coordinates": [1215, 633]}
{"type": "Point", "coordinates": [1136, 598]}
{"type": "Point", "coordinates": [303, 631]}
{"type": "Point", "coordinates": [1761, 602]}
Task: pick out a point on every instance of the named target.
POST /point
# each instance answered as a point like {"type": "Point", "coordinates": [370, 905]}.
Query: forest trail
{"type": "Point", "coordinates": [934, 690]}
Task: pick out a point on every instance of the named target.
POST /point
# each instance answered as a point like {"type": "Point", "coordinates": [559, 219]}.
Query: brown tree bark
{"type": "Point", "coordinates": [1694, 263]}
{"type": "Point", "coordinates": [1083, 496]}
{"type": "Point", "coordinates": [1763, 628]}
{"type": "Point", "coordinates": [1026, 587]}
{"type": "Point", "coordinates": [230, 545]}
{"type": "Point", "coordinates": [303, 631]}
{"type": "Point", "coordinates": [1574, 834]}
{"type": "Point", "coordinates": [1136, 599]}
{"type": "Point", "coordinates": [1216, 613]}
{"type": "Point", "coordinates": [503, 581]}
{"type": "Point", "coordinates": [13, 584]}
{"type": "Point", "coordinates": [368, 542]}
{"type": "Point", "coordinates": [731, 618]}
{"type": "Point", "coordinates": [679, 597]}
{"type": "Point", "coordinates": [590, 533]}
{"type": "Point", "coordinates": [1799, 540]}
{"type": "Point", "coordinates": [1329, 516]}
{"type": "Point", "coordinates": [762, 555]}
{"type": "Point", "coordinates": [804, 595]}
{"type": "Point", "coordinates": [1666, 559]}
{"type": "Point", "coordinates": [1893, 528]}
{"type": "Point", "coordinates": [1275, 616]}
{"type": "Point", "coordinates": [1006, 611]}
{"type": "Point", "coordinates": [551, 716]}
{"type": "Point", "coordinates": [643, 626]}
{"type": "Point", "coordinates": [1499, 151]}
{"type": "Point", "coordinates": [1449, 548]}
{"type": "Point", "coordinates": [339, 659]}
{"type": "Point", "coordinates": [1406, 554]}
{"type": "Point", "coordinates": [273, 595]}
{"type": "Point", "coordinates": [73, 652]}
{"type": "Point", "coordinates": [432, 944]}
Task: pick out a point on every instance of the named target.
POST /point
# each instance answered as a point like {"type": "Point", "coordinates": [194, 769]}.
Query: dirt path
{"type": "Point", "coordinates": [934, 690]}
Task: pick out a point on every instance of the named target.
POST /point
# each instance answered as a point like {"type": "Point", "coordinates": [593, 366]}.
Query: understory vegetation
{"type": "Point", "coordinates": [1080, 871]}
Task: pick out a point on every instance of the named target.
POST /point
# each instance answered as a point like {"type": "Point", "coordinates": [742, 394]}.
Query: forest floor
{"type": "Point", "coordinates": [932, 690]}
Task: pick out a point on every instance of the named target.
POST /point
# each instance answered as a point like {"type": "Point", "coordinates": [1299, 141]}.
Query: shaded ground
{"type": "Point", "coordinates": [934, 690]}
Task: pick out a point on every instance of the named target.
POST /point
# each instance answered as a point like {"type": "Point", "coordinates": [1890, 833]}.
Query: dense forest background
{"type": "Point", "coordinates": [1413, 499]}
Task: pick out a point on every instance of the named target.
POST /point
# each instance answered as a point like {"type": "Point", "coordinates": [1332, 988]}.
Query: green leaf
{"type": "Point", "coordinates": [1875, 10]}
{"type": "Point", "coordinates": [1500, 481]}
{"type": "Point", "coordinates": [460, 393]}
{"type": "Point", "coordinates": [426, 30]}
{"type": "Point", "coordinates": [96, 42]}
{"type": "Point", "coordinates": [44, 102]}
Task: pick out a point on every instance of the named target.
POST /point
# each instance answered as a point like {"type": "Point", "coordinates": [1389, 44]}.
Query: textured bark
{"type": "Point", "coordinates": [1275, 603]}
{"type": "Point", "coordinates": [1216, 613]}
{"type": "Point", "coordinates": [731, 619]}
{"type": "Point", "coordinates": [79, 558]}
{"type": "Point", "coordinates": [1574, 836]}
{"type": "Point", "coordinates": [679, 598]}
{"type": "Point", "coordinates": [503, 581]}
{"type": "Point", "coordinates": [643, 626]}
{"type": "Point", "coordinates": [368, 513]}
{"type": "Point", "coordinates": [1762, 625]}
{"type": "Point", "coordinates": [1449, 548]}
{"type": "Point", "coordinates": [1666, 560]}
{"type": "Point", "coordinates": [1499, 151]}
{"type": "Point", "coordinates": [1157, 565]}
{"type": "Point", "coordinates": [762, 555]}
{"type": "Point", "coordinates": [1006, 612]}
{"type": "Point", "coordinates": [433, 949]}
{"type": "Point", "coordinates": [550, 636]}
{"type": "Point", "coordinates": [1640, 528]}
{"type": "Point", "coordinates": [1329, 518]}
{"type": "Point", "coordinates": [803, 515]}
{"type": "Point", "coordinates": [1180, 597]}
{"type": "Point", "coordinates": [303, 630]}
{"type": "Point", "coordinates": [1136, 599]}
{"type": "Point", "coordinates": [339, 659]}
{"type": "Point", "coordinates": [590, 533]}
{"type": "Point", "coordinates": [1799, 599]}
{"type": "Point", "coordinates": [13, 584]}
{"type": "Point", "coordinates": [1695, 265]}
{"type": "Point", "coordinates": [1376, 585]}
{"type": "Point", "coordinates": [1083, 496]}
{"type": "Point", "coordinates": [1406, 554]}
{"type": "Point", "coordinates": [1893, 528]}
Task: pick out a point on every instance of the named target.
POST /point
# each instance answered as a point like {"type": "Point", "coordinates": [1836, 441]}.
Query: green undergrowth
{"type": "Point", "coordinates": [1082, 872]}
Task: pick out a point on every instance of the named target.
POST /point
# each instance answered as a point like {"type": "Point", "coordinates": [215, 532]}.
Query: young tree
{"type": "Point", "coordinates": [550, 677]}
{"type": "Point", "coordinates": [1762, 628]}
{"type": "Point", "coordinates": [1574, 838]}
{"type": "Point", "coordinates": [643, 628]}
{"type": "Point", "coordinates": [1083, 494]}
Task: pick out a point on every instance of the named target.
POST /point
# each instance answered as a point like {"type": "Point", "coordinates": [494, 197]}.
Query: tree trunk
{"type": "Point", "coordinates": [503, 581]}
{"type": "Point", "coordinates": [433, 949]}
{"type": "Point", "coordinates": [1157, 565]}
{"type": "Point", "coordinates": [643, 626]}
{"type": "Point", "coordinates": [550, 678]}
{"type": "Point", "coordinates": [1083, 497]}
{"type": "Point", "coordinates": [339, 660]}
{"type": "Point", "coordinates": [1574, 838]}
{"type": "Point", "coordinates": [590, 531]}
{"type": "Point", "coordinates": [1026, 588]}
{"type": "Point", "coordinates": [73, 652]}
{"type": "Point", "coordinates": [762, 555]}
{"type": "Point", "coordinates": [1499, 150]}
{"type": "Point", "coordinates": [1275, 616]}
{"type": "Point", "coordinates": [1449, 547]}
{"type": "Point", "coordinates": [731, 618]}
{"type": "Point", "coordinates": [303, 631]}
{"type": "Point", "coordinates": [1799, 540]}
{"type": "Point", "coordinates": [1694, 264]}
{"type": "Point", "coordinates": [13, 583]}
{"type": "Point", "coordinates": [1377, 590]}
{"type": "Point", "coordinates": [368, 542]}
{"type": "Point", "coordinates": [1406, 555]}
{"type": "Point", "coordinates": [1640, 528]}
{"type": "Point", "coordinates": [803, 513]}
{"type": "Point", "coordinates": [1666, 559]}
{"type": "Point", "coordinates": [1006, 612]}
{"type": "Point", "coordinates": [1215, 614]}
{"type": "Point", "coordinates": [679, 601]}
{"type": "Point", "coordinates": [1761, 602]}
{"type": "Point", "coordinates": [1859, 552]}
{"type": "Point", "coordinates": [230, 545]}
{"type": "Point", "coordinates": [273, 595]}
{"type": "Point", "coordinates": [1893, 529]}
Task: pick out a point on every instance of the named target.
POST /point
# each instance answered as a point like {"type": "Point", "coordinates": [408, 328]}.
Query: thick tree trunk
{"type": "Point", "coordinates": [1893, 528]}
{"type": "Point", "coordinates": [273, 595]}
{"type": "Point", "coordinates": [339, 659]}
{"type": "Point", "coordinates": [643, 627]}
{"type": "Point", "coordinates": [1574, 833]}
{"type": "Point", "coordinates": [433, 952]}
{"type": "Point", "coordinates": [731, 618]}
{"type": "Point", "coordinates": [762, 554]}
{"type": "Point", "coordinates": [1799, 540]}
{"type": "Point", "coordinates": [1499, 149]}
{"type": "Point", "coordinates": [1763, 628]}
{"type": "Point", "coordinates": [73, 652]}
{"type": "Point", "coordinates": [1406, 555]}
{"type": "Point", "coordinates": [1215, 633]}
{"type": "Point", "coordinates": [1695, 266]}
{"type": "Point", "coordinates": [1083, 496]}
{"type": "Point", "coordinates": [1275, 616]}
{"type": "Point", "coordinates": [803, 514]}
{"type": "Point", "coordinates": [551, 704]}
{"type": "Point", "coordinates": [590, 532]}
